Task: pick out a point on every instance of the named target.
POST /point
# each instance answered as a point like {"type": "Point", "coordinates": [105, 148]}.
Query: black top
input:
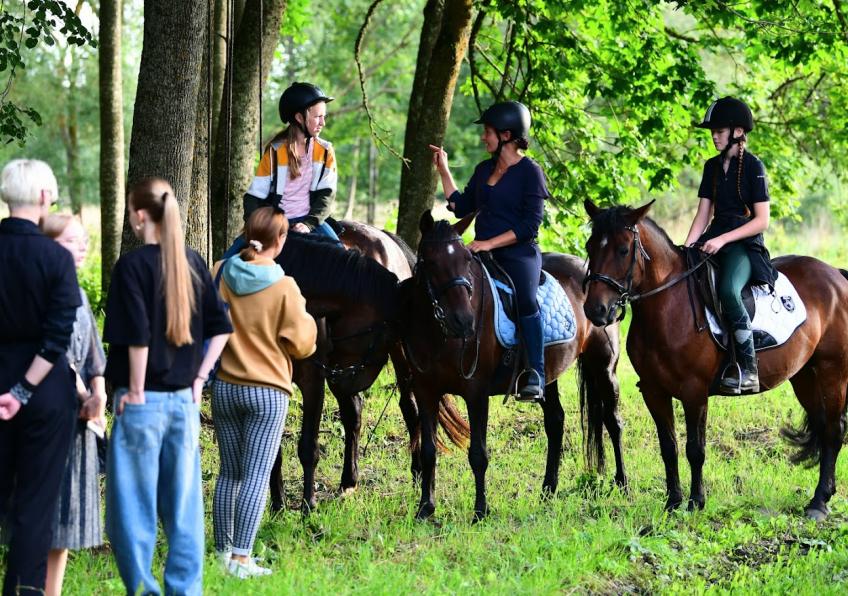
{"type": "Point", "coordinates": [516, 202]}
{"type": "Point", "coordinates": [723, 189]}
{"type": "Point", "coordinates": [39, 296]}
{"type": "Point", "coordinates": [135, 316]}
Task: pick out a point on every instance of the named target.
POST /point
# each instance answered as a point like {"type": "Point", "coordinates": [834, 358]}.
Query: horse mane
{"type": "Point", "coordinates": [614, 219]}
{"type": "Point", "coordinates": [322, 267]}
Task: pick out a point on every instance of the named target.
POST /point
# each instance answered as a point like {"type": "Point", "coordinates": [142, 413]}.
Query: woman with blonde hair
{"type": "Point", "coordinates": [76, 522]}
{"type": "Point", "coordinates": [250, 395]}
{"type": "Point", "coordinates": [162, 305]}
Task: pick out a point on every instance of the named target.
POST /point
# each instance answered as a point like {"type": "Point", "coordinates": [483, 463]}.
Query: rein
{"type": "Point", "coordinates": [625, 290]}
{"type": "Point", "coordinates": [336, 374]}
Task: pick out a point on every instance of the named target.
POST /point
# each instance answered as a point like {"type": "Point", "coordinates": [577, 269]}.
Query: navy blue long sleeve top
{"type": "Point", "coordinates": [515, 202]}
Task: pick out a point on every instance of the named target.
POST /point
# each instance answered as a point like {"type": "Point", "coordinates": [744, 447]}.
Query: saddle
{"type": "Point", "coordinates": [775, 315]}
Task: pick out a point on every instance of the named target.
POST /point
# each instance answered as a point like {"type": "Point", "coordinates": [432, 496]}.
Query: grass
{"type": "Point", "coordinates": [589, 538]}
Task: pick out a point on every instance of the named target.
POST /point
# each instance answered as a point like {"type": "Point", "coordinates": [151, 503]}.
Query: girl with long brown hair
{"type": "Point", "coordinates": [162, 305]}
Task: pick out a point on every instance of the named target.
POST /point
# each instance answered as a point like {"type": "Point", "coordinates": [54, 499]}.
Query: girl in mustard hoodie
{"type": "Point", "coordinates": [251, 391]}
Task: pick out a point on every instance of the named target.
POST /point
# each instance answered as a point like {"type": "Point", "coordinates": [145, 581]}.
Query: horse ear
{"type": "Point", "coordinates": [592, 210]}
{"type": "Point", "coordinates": [462, 225]}
{"type": "Point", "coordinates": [425, 224]}
{"type": "Point", "coordinates": [637, 214]}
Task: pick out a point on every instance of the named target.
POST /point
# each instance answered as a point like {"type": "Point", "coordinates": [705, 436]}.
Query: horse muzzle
{"type": "Point", "coordinates": [601, 314]}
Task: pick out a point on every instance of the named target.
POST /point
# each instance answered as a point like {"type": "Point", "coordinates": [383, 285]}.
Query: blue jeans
{"type": "Point", "coordinates": [153, 471]}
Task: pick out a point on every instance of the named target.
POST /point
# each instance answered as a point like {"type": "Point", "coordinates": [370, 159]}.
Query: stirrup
{"type": "Point", "coordinates": [531, 391]}
{"type": "Point", "coordinates": [746, 381]}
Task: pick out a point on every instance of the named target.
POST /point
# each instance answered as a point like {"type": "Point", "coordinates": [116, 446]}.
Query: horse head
{"type": "Point", "coordinates": [617, 259]}
{"type": "Point", "coordinates": [443, 270]}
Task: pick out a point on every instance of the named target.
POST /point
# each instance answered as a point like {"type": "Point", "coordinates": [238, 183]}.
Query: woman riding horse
{"type": "Point", "coordinates": [735, 191]}
{"type": "Point", "coordinates": [508, 192]}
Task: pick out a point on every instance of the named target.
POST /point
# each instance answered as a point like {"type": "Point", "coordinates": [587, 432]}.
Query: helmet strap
{"type": "Point", "coordinates": [730, 143]}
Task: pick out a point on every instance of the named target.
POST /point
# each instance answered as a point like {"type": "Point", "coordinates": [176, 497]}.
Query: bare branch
{"type": "Point", "coordinates": [785, 84]}
{"type": "Point", "coordinates": [672, 33]}
{"type": "Point", "coordinates": [837, 8]}
{"type": "Point", "coordinates": [357, 57]}
{"type": "Point", "coordinates": [472, 65]}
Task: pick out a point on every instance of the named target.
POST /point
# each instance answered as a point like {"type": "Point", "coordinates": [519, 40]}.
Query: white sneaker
{"type": "Point", "coordinates": [246, 570]}
{"type": "Point", "coordinates": [223, 558]}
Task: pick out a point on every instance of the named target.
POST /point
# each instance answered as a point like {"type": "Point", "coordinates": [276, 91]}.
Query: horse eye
{"type": "Point", "coordinates": [623, 250]}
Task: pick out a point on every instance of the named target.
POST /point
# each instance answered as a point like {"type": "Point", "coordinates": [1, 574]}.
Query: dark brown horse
{"type": "Point", "coordinates": [452, 347]}
{"type": "Point", "coordinates": [354, 295]}
{"type": "Point", "coordinates": [631, 256]}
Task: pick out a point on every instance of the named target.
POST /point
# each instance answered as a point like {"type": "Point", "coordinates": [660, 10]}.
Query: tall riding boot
{"type": "Point", "coordinates": [745, 379]}
{"type": "Point", "coordinates": [533, 378]}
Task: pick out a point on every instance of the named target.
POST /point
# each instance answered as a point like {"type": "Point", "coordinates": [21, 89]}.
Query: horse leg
{"type": "Point", "coordinates": [478, 456]}
{"type": "Point", "coordinates": [311, 384]}
{"type": "Point", "coordinates": [662, 411]}
{"type": "Point", "coordinates": [429, 406]}
{"type": "Point", "coordinates": [821, 390]}
{"type": "Point", "coordinates": [277, 489]}
{"type": "Point", "coordinates": [607, 386]}
{"type": "Point", "coordinates": [350, 409]}
{"type": "Point", "coordinates": [554, 424]}
{"type": "Point", "coordinates": [409, 409]}
{"type": "Point", "coordinates": [695, 411]}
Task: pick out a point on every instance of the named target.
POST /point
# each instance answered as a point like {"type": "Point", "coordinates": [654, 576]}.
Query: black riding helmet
{"type": "Point", "coordinates": [728, 112]}
{"type": "Point", "coordinates": [298, 98]}
{"type": "Point", "coordinates": [507, 115]}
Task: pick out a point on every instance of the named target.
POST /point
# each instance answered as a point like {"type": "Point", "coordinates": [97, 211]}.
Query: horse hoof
{"type": "Point", "coordinates": [425, 511]}
{"type": "Point", "coordinates": [479, 516]}
{"type": "Point", "coordinates": [696, 504]}
{"type": "Point", "coordinates": [548, 492]}
{"type": "Point", "coordinates": [307, 507]}
{"type": "Point", "coordinates": [346, 491]}
{"type": "Point", "coordinates": [817, 513]}
{"type": "Point", "coordinates": [672, 504]}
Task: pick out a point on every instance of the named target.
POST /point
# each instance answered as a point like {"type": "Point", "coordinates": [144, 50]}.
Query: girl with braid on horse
{"type": "Point", "coordinates": [508, 192]}
{"type": "Point", "coordinates": [297, 172]}
{"type": "Point", "coordinates": [734, 191]}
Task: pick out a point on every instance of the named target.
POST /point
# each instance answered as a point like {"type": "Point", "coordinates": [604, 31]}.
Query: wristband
{"type": "Point", "coordinates": [21, 393]}
{"type": "Point", "coordinates": [203, 378]}
{"type": "Point", "coordinates": [27, 385]}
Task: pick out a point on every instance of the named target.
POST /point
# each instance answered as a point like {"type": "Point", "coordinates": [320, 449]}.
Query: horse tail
{"type": "Point", "coordinates": [591, 415]}
{"type": "Point", "coordinates": [807, 438]}
{"type": "Point", "coordinates": [453, 424]}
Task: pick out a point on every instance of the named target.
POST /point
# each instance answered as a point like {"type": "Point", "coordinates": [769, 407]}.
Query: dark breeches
{"type": "Point", "coordinates": [523, 264]}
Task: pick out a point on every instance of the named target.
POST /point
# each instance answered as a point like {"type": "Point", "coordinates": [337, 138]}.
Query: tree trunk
{"type": "Point", "coordinates": [235, 153]}
{"type": "Point", "coordinates": [371, 213]}
{"type": "Point", "coordinates": [111, 136]}
{"type": "Point", "coordinates": [354, 170]}
{"type": "Point", "coordinates": [164, 115]}
{"type": "Point", "coordinates": [197, 214]}
{"type": "Point", "coordinates": [219, 60]}
{"type": "Point", "coordinates": [69, 127]}
{"type": "Point", "coordinates": [444, 40]}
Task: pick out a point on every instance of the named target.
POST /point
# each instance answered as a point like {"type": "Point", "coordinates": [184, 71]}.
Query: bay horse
{"type": "Point", "coordinates": [451, 345]}
{"type": "Point", "coordinates": [353, 294]}
{"type": "Point", "coordinates": [637, 263]}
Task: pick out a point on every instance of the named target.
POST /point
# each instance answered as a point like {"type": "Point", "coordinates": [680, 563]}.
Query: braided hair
{"type": "Point", "coordinates": [740, 154]}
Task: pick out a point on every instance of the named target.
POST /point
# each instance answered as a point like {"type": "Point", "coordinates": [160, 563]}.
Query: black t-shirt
{"type": "Point", "coordinates": [723, 190]}
{"type": "Point", "coordinates": [135, 316]}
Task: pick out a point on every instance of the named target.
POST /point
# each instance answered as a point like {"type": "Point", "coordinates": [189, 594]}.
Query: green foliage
{"type": "Point", "coordinates": [37, 22]}
{"type": "Point", "coordinates": [615, 88]}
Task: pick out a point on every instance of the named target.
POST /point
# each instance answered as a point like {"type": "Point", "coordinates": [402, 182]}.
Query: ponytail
{"type": "Point", "coordinates": [156, 197]}
{"type": "Point", "coordinates": [291, 152]}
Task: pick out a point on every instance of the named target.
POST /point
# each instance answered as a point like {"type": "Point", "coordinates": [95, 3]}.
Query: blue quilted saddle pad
{"type": "Point", "coordinates": [557, 313]}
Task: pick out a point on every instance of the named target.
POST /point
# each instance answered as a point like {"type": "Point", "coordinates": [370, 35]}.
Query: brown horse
{"type": "Point", "coordinates": [451, 345]}
{"type": "Point", "coordinates": [354, 295]}
{"type": "Point", "coordinates": [637, 263]}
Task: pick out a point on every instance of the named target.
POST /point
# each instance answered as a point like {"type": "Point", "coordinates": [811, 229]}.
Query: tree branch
{"type": "Point", "coordinates": [837, 8]}
{"type": "Point", "coordinates": [358, 58]}
{"type": "Point", "coordinates": [472, 65]}
{"type": "Point", "coordinates": [782, 87]}
{"type": "Point", "coordinates": [672, 33]}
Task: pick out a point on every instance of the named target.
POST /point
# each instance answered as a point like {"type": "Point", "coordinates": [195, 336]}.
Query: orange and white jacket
{"type": "Point", "coordinates": [322, 189]}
